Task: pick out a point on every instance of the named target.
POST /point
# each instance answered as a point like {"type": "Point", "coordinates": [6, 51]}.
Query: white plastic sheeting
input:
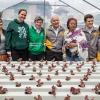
{"type": "Point", "coordinates": [47, 8]}
{"type": "Point", "coordinates": [8, 3]}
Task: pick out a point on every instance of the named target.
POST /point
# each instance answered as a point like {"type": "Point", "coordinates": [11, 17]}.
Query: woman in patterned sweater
{"type": "Point", "coordinates": [75, 42]}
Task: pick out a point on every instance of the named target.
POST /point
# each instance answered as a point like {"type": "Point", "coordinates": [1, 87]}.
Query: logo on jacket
{"type": "Point", "coordinates": [22, 32]}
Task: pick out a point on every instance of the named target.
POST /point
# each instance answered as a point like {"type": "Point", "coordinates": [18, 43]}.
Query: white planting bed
{"type": "Point", "coordinates": [18, 92]}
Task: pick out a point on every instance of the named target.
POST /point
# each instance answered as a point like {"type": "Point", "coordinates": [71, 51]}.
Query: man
{"type": "Point", "coordinates": [36, 40]}
{"type": "Point", "coordinates": [54, 40]}
{"type": "Point", "coordinates": [16, 37]}
{"type": "Point", "coordinates": [92, 39]}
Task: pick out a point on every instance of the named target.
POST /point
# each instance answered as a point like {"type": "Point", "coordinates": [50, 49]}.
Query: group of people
{"type": "Point", "coordinates": [24, 42]}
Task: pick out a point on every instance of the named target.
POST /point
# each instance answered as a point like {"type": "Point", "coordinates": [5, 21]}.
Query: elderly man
{"type": "Point", "coordinates": [54, 40]}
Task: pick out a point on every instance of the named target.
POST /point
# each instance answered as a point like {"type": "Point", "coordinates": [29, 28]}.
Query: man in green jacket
{"type": "Point", "coordinates": [36, 40]}
{"type": "Point", "coordinates": [17, 37]}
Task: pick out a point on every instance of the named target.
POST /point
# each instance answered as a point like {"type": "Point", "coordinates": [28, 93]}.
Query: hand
{"type": "Point", "coordinates": [70, 45]}
{"type": "Point", "coordinates": [94, 59]}
{"type": "Point", "coordinates": [9, 54]}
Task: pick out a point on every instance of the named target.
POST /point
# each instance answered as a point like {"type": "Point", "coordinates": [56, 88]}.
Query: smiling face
{"type": "Point", "coordinates": [72, 25]}
{"type": "Point", "coordinates": [22, 16]}
{"type": "Point", "coordinates": [55, 22]}
{"type": "Point", "coordinates": [89, 22]}
{"type": "Point", "coordinates": [88, 19]}
{"type": "Point", "coordinates": [38, 24]}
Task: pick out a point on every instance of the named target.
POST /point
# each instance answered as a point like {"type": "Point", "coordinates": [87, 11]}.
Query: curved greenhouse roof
{"type": "Point", "coordinates": [47, 8]}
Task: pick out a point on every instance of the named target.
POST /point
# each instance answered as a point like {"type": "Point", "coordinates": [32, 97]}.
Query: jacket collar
{"type": "Point", "coordinates": [52, 29]}
{"type": "Point", "coordinates": [16, 20]}
{"type": "Point", "coordinates": [85, 29]}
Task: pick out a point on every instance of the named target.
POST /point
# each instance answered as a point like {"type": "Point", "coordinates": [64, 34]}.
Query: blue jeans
{"type": "Point", "coordinates": [74, 58]}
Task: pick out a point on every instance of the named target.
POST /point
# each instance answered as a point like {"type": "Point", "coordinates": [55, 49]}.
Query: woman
{"type": "Point", "coordinates": [36, 40]}
{"type": "Point", "coordinates": [3, 54]}
{"type": "Point", "coordinates": [17, 37]}
{"type": "Point", "coordinates": [75, 42]}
